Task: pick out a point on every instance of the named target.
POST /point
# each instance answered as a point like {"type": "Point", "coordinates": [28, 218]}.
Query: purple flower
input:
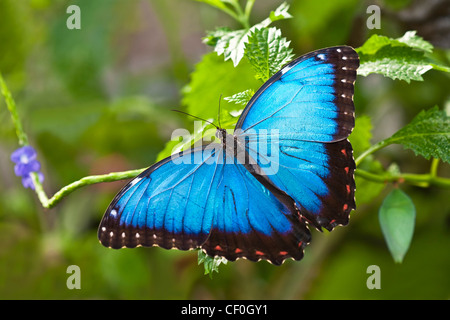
{"type": "Point", "coordinates": [26, 163]}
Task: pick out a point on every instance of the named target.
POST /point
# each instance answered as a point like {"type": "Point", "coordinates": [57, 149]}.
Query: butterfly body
{"type": "Point", "coordinates": [288, 163]}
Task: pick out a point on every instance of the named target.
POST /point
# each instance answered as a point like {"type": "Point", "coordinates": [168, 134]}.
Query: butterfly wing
{"type": "Point", "coordinates": [251, 222]}
{"type": "Point", "coordinates": [164, 206]}
{"type": "Point", "coordinates": [306, 112]}
{"type": "Point", "coordinates": [205, 199]}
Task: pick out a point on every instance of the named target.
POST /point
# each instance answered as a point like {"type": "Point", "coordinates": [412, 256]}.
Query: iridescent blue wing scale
{"type": "Point", "coordinates": [212, 204]}
{"type": "Point", "coordinates": [307, 107]}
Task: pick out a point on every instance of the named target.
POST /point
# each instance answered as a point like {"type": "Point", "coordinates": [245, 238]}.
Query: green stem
{"type": "Point", "coordinates": [241, 17]}
{"type": "Point", "coordinates": [238, 14]}
{"type": "Point", "coordinates": [420, 180]}
{"type": "Point", "coordinates": [248, 8]}
{"type": "Point", "coordinates": [371, 150]}
{"type": "Point", "coordinates": [440, 68]}
{"type": "Point", "coordinates": [434, 167]}
{"type": "Point", "coordinates": [23, 140]}
{"type": "Point", "coordinates": [39, 189]}
{"type": "Point", "coordinates": [231, 13]}
{"type": "Point", "coordinates": [113, 176]}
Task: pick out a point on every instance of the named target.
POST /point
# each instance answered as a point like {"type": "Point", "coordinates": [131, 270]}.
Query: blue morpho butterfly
{"type": "Point", "coordinates": [233, 200]}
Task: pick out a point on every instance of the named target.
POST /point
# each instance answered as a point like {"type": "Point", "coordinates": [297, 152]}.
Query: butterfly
{"type": "Point", "coordinates": [287, 165]}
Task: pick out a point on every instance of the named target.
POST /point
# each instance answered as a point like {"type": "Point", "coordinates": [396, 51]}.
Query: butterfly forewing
{"type": "Point", "coordinates": [308, 108]}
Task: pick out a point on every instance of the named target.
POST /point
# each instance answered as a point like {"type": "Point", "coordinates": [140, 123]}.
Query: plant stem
{"type": "Point", "coordinates": [39, 189]}
{"type": "Point", "coordinates": [371, 150]}
{"type": "Point", "coordinates": [420, 180]}
{"type": "Point", "coordinates": [241, 17]}
{"type": "Point", "coordinates": [248, 8]}
{"type": "Point", "coordinates": [434, 167]}
{"type": "Point", "coordinates": [113, 176]}
{"type": "Point", "coordinates": [238, 14]}
{"type": "Point", "coordinates": [23, 140]}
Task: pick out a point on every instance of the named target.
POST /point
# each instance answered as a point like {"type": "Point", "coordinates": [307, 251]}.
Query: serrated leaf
{"type": "Point", "coordinates": [403, 58]}
{"type": "Point", "coordinates": [401, 63]}
{"type": "Point", "coordinates": [409, 39]}
{"type": "Point", "coordinates": [414, 41]}
{"type": "Point", "coordinates": [374, 43]}
{"type": "Point", "coordinates": [428, 135]}
{"type": "Point", "coordinates": [212, 37]}
{"type": "Point", "coordinates": [241, 98]}
{"type": "Point", "coordinates": [280, 13]}
{"type": "Point", "coordinates": [267, 52]}
{"type": "Point", "coordinates": [210, 264]}
{"type": "Point", "coordinates": [231, 44]}
{"type": "Point", "coordinates": [397, 217]}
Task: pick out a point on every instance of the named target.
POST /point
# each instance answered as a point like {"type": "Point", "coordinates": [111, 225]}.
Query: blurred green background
{"type": "Point", "coordinates": [98, 100]}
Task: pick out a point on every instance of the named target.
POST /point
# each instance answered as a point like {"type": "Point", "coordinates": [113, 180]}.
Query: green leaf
{"type": "Point", "coordinates": [212, 37]}
{"type": "Point", "coordinates": [212, 79]}
{"type": "Point", "coordinates": [267, 52]}
{"type": "Point", "coordinates": [241, 98]}
{"type": "Point", "coordinates": [409, 39]}
{"type": "Point", "coordinates": [403, 58]}
{"type": "Point", "coordinates": [397, 216]}
{"type": "Point", "coordinates": [412, 40]}
{"type": "Point", "coordinates": [428, 135]}
{"type": "Point", "coordinates": [231, 44]}
{"type": "Point", "coordinates": [210, 264]}
{"type": "Point", "coordinates": [401, 63]}
{"type": "Point", "coordinates": [280, 13]}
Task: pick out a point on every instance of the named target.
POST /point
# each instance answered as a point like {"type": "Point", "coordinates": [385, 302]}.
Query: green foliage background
{"type": "Point", "coordinates": [98, 100]}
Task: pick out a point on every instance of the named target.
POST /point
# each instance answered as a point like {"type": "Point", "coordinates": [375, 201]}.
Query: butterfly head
{"type": "Point", "coordinates": [221, 134]}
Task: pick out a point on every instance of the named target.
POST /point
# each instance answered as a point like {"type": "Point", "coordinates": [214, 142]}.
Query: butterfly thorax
{"type": "Point", "coordinates": [235, 149]}
{"type": "Point", "coordinates": [229, 142]}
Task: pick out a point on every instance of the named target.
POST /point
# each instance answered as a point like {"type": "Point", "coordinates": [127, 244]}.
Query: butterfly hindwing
{"type": "Point", "coordinates": [251, 222]}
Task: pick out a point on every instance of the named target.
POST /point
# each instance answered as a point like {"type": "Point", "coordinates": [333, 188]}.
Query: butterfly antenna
{"type": "Point", "coordinates": [218, 116]}
{"type": "Point", "coordinates": [188, 114]}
